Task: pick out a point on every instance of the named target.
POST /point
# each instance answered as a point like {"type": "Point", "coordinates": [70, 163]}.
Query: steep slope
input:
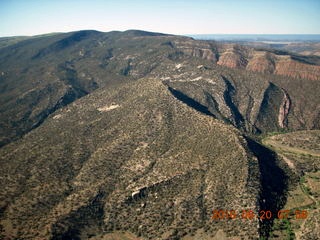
{"type": "Point", "coordinates": [144, 133]}
{"type": "Point", "coordinates": [130, 158]}
{"type": "Point", "coordinates": [256, 60]}
{"type": "Point", "coordinates": [41, 74]}
{"type": "Point", "coordinates": [251, 102]}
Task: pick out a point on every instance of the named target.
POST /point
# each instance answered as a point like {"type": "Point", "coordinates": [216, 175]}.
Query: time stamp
{"type": "Point", "coordinates": [220, 214]}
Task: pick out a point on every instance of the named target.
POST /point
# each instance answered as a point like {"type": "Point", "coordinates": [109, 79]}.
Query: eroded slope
{"type": "Point", "coordinates": [132, 158]}
{"type": "Point", "coordinates": [39, 75]}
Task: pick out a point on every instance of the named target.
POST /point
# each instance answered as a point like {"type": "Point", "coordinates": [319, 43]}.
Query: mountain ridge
{"type": "Point", "coordinates": [144, 133]}
{"type": "Point", "coordinates": [95, 172]}
{"type": "Point", "coordinates": [80, 65]}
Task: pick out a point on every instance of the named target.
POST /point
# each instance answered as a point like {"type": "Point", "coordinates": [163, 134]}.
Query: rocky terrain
{"type": "Point", "coordinates": [148, 172]}
{"type": "Point", "coordinates": [256, 60]}
{"type": "Point", "coordinates": [42, 74]}
{"type": "Point", "coordinates": [143, 135]}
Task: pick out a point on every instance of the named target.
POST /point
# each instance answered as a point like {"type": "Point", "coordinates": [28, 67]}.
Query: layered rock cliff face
{"type": "Point", "coordinates": [284, 110]}
{"type": "Point", "coordinates": [233, 60]}
{"type": "Point", "coordinates": [241, 57]}
{"type": "Point", "coordinates": [200, 49]}
{"type": "Point", "coordinates": [263, 62]}
{"type": "Point", "coordinates": [286, 66]}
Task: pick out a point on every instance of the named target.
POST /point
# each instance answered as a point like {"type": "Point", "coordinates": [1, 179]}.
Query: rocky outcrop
{"type": "Point", "coordinates": [200, 52]}
{"type": "Point", "coordinates": [284, 110]}
{"type": "Point", "coordinates": [199, 49]}
{"type": "Point", "coordinates": [242, 57]}
{"type": "Point", "coordinates": [286, 66]}
{"type": "Point", "coordinates": [261, 62]}
{"type": "Point", "coordinates": [232, 60]}
{"type": "Point", "coordinates": [267, 62]}
{"type": "Point", "coordinates": [232, 56]}
{"type": "Point", "coordinates": [250, 103]}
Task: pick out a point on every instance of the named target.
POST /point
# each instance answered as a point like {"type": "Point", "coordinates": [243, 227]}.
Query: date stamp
{"type": "Point", "coordinates": [221, 214]}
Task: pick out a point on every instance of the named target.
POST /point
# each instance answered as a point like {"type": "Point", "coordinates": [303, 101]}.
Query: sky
{"type": "Point", "coordinates": [33, 17]}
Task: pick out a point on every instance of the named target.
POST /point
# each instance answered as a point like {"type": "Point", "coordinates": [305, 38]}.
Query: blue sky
{"type": "Point", "coordinates": [31, 17]}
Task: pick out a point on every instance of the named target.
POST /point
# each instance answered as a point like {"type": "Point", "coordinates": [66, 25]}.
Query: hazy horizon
{"type": "Point", "coordinates": [257, 37]}
{"type": "Point", "coordinates": [218, 36]}
{"type": "Point", "coordinates": [34, 17]}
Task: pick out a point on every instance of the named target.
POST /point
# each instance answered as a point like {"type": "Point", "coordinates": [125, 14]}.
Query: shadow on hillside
{"type": "Point", "coordinates": [190, 102]}
{"type": "Point", "coordinates": [274, 182]}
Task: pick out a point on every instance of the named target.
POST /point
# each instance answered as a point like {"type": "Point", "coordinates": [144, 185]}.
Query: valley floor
{"type": "Point", "coordinates": [300, 150]}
